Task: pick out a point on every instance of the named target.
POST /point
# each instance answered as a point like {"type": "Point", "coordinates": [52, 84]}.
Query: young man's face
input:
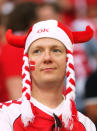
{"type": "Point", "coordinates": [49, 56]}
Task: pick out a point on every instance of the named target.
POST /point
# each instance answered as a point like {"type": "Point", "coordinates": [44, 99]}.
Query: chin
{"type": "Point", "coordinates": [50, 79]}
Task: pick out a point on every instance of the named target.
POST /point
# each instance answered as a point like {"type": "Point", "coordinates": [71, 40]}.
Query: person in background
{"type": "Point", "coordinates": [91, 83]}
{"type": "Point", "coordinates": [19, 21]}
{"type": "Point", "coordinates": [91, 97]}
{"type": "Point", "coordinates": [67, 10]}
{"type": "Point", "coordinates": [6, 8]}
{"type": "Point", "coordinates": [85, 55]}
{"type": "Point", "coordinates": [47, 11]}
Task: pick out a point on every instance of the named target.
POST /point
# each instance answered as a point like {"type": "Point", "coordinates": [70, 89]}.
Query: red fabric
{"type": "Point", "coordinates": [68, 91]}
{"type": "Point", "coordinates": [66, 30]}
{"type": "Point", "coordinates": [71, 66]}
{"type": "Point", "coordinates": [68, 18]}
{"type": "Point", "coordinates": [91, 2]}
{"type": "Point", "coordinates": [83, 36]}
{"type": "Point", "coordinates": [27, 96]}
{"type": "Point", "coordinates": [68, 73]}
{"type": "Point", "coordinates": [82, 67]}
{"type": "Point", "coordinates": [24, 89]}
{"type": "Point", "coordinates": [43, 122]}
{"type": "Point", "coordinates": [3, 91]}
{"type": "Point", "coordinates": [11, 59]}
{"type": "Point", "coordinates": [17, 41]}
{"type": "Point", "coordinates": [23, 76]}
{"type": "Point", "coordinates": [10, 65]}
{"type": "Point", "coordinates": [72, 81]}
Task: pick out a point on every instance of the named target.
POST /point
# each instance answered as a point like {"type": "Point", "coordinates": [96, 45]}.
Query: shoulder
{"type": "Point", "coordinates": [87, 123]}
{"type": "Point", "coordinates": [9, 111]}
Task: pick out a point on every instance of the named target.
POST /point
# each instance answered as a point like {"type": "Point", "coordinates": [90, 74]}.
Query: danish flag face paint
{"type": "Point", "coordinates": [32, 65]}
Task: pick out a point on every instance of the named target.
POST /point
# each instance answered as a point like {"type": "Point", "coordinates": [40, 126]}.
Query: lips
{"type": "Point", "coordinates": [48, 69]}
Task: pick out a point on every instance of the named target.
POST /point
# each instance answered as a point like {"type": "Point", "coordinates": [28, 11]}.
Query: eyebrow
{"type": "Point", "coordinates": [52, 46]}
{"type": "Point", "coordinates": [58, 46]}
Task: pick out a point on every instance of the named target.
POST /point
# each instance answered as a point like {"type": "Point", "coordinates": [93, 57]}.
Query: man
{"type": "Point", "coordinates": [47, 11]}
{"type": "Point", "coordinates": [48, 58]}
{"type": "Point", "coordinates": [19, 21]}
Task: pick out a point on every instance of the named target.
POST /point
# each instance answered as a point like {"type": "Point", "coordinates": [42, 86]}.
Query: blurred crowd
{"type": "Point", "coordinates": [19, 15]}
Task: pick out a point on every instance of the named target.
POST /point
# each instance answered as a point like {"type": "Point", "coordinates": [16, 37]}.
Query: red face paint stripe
{"type": "Point", "coordinates": [32, 65]}
{"type": "Point", "coordinates": [32, 68]}
{"type": "Point", "coordinates": [32, 62]}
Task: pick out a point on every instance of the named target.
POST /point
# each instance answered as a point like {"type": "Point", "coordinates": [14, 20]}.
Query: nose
{"type": "Point", "coordinates": [47, 57]}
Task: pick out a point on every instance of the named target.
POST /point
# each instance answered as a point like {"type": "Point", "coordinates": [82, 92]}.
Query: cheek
{"type": "Point", "coordinates": [63, 65]}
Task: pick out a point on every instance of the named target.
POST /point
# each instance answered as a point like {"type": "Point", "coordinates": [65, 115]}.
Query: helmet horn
{"type": "Point", "coordinates": [17, 41]}
{"type": "Point", "coordinates": [83, 36]}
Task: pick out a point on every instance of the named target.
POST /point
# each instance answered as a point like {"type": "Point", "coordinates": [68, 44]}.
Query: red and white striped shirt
{"type": "Point", "coordinates": [10, 118]}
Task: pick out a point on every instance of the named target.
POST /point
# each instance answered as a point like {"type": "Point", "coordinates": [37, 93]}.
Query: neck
{"type": "Point", "coordinates": [50, 96]}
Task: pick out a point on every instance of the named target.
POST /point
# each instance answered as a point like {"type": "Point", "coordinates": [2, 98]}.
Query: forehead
{"type": "Point", "coordinates": [47, 42]}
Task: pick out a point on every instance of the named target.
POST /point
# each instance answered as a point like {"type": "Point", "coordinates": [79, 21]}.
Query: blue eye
{"type": "Point", "coordinates": [56, 50]}
{"type": "Point", "coordinates": [36, 51]}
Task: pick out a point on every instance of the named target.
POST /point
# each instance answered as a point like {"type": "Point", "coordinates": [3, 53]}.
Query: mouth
{"type": "Point", "coordinates": [48, 69]}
